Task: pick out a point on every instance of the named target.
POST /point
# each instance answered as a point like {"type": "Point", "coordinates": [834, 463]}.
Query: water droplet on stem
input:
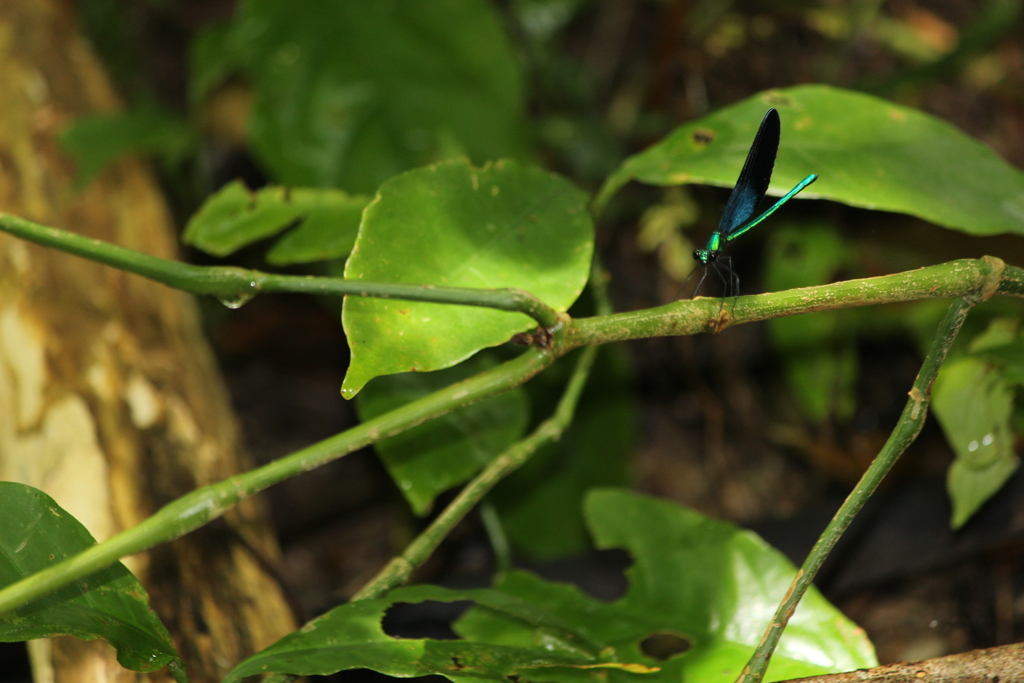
{"type": "Point", "coordinates": [234, 301]}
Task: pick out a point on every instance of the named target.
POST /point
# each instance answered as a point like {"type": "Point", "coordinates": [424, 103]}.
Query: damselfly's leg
{"type": "Point", "coordinates": [733, 289]}
{"type": "Point", "coordinates": [699, 282]}
{"type": "Point", "coordinates": [718, 271]}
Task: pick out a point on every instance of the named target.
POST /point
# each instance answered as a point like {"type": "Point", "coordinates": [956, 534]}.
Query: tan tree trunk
{"type": "Point", "coordinates": [110, 399]}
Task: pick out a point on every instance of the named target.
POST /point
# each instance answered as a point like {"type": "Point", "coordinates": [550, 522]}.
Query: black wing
{"type": "Point", "coordinates": [755, 176]}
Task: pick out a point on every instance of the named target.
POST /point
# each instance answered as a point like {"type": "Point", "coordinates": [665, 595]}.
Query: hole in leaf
{"type": "Point", "coordinates": [427, 619]}
{"type": "Point", "coordinates": [664, 645]}
{"type": "Point", "coordinates": [601, 574]}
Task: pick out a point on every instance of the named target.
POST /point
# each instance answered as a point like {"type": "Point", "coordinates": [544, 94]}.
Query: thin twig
{"type": "Point", "coordinates": [235, 286]}
{"type": "Point", "coordinates": [903, 435]}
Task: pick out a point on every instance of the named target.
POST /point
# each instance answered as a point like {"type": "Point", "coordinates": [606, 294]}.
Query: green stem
{"type": "Point", "coordinates": [199, 507]}
{"type": "Point", "coordinates": [238, 285]}
{"type": "Point", "coordinates": [496, 535]}
{"type": "Point", "coordinates": [692, 316]}
{"type": "Point", "coordinates": [903, 435]}
{"type": "Point", "coordinates": [400, 568]}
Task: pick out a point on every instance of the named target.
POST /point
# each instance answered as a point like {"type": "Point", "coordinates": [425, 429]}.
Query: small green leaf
{"type": "Point", "coordinates": [351, 637]}
{"type": "Point", "coordinates": [97, 140]}
{"type": "Point", "coordinates": [505, 225]}
{"type": "Point", "coordinates": [433, 457]}
{"type": "Point", "coordinates": [974, 403]}
{"type": "Point", "coordinates": [1010, 357]}
{"type": "Point", "coordinates": [705, 583]}
{"type": "Point", "coordinates": [868, 152]}
{"type": "Point", "coordinates": [235, 217]}
{"type": "Point", "coordinates": [110, 604]}
{"type": "Point", "coordinates": [350, 93]}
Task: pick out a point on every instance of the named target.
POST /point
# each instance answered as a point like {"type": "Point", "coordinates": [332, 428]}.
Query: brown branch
{"type": "Point", "coordinates": [1003, 664]}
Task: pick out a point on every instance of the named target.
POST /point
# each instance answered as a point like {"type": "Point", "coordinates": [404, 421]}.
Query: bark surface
{"type": "Point", "coordinates": [110, 398]}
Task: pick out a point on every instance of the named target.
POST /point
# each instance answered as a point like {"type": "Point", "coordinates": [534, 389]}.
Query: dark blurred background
{"type": "Point", "coordinates": [720, 423]}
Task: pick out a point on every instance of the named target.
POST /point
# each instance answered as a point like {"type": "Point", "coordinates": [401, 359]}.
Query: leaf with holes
{"type": "Point", "coordinates": [701, 593]}
{"type": "Point", "coordinates": [352, 637]}
{"type": "Point", "coordinates": [504, 225]}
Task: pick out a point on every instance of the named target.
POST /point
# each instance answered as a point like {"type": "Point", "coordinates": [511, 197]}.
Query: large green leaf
{"type": "Point", "coordinates": [351, 637]}
{"type": "Point", "coordinates": [433, 457]}
{"type": "Point", "coordinates": [504, 225]}
{"type": "Point", "coordinates": [110, 604]}
{"type": "Point", "coordinates": [868, 152]}
{"type": "Point", "coordinates": [235, 217]}
{"type": "Point", "coordinates": [700, 582]}
{"type": "Point", "coordinates": [350, 93]}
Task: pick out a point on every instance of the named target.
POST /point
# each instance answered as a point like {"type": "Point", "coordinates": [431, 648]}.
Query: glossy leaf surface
{"type": "Point", "coordinates": [699, 583]}
{"type": "Point", "coordinates": [867, 151]}
{"type": "Point", "coordinates": [110, 604]}
{"type": "Point", "coordinates": [351, 636]}
{"type": "Point", "coordinates": [705, 583]}
{"type": "Point", "coordinates": [504, 225]}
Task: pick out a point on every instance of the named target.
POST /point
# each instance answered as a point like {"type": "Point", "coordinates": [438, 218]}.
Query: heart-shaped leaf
{"type": "Point", "coordinates": [504, 225]}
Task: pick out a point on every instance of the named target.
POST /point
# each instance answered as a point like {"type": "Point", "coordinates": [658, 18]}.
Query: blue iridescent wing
{"type": "Point", "coordinates": [782, 200]}
{"type": "Point", "coordinates": [755, 176]}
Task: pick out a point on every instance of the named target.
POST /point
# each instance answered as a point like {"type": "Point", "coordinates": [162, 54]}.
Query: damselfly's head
{"type": "Point", "coordinates": [710, 251]}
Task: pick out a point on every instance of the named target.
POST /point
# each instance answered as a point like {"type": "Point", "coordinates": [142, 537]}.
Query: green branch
{"type": "Point", "coordinates": [235, 286]}
{"type": "Point", "coordinates": [903, 435]}
{"type": "Point", "coordinates": [692, 316]}
{"type": "Point", "coordinates": [195, 509]}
